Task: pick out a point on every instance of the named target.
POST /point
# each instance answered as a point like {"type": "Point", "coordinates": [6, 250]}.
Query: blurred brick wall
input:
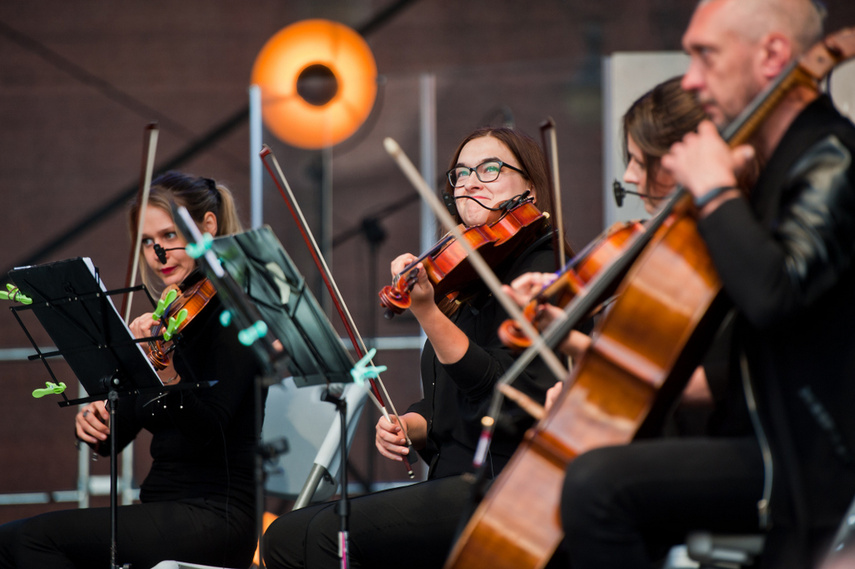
{"type": "Point", "coordinates": [79, 82]}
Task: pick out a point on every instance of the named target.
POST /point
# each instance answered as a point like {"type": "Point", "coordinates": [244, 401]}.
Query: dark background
{"type": "Point", "coordinates": [79, 81]}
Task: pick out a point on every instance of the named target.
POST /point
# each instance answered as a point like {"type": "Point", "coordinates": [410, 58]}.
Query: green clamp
{"type": "Point", "coordinates": [196, 250]}
{"type": "Point", "coordinates": [49, 389]}
{"type": "Point", "coordinates": [362, 371]}
{"type": "Point", "coordinates": [253, 333]}
{"type": "Point", "coordinates": [163, 304]}
{"type": "Point", "coordinates": [173, 324]}
{"type": "Point", "coordinates": [13, 293]}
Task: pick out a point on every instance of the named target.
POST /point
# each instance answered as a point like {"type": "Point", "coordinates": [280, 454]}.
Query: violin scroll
{"type": "Point", "coordinates": [511, 333]}
{"type": "Point", "coordinates": [395, 298]}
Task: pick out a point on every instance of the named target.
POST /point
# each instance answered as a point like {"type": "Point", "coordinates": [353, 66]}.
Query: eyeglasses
{"type": "Point", "coordinates": [485, 171]}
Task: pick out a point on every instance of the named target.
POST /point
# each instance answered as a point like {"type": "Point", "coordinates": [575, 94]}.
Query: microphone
{"type": "Point", "coordinates": [450, 203]}
{"type": "Point", "coordinates": [160, 252]}
{"type": "Point", "coordinates": [621, 192]}
{"type": "Point", "coordinates": [502, 206]}
{"type": "Point", "coordinates": [510, 204]}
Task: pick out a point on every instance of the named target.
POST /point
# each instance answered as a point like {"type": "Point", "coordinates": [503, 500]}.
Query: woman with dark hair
{"type": "Point", "coordinates": [461, 362]}
{"type": "Point", "coordinates": [654, 122]}
{"type": "Point", "coordinates": [198, 500]}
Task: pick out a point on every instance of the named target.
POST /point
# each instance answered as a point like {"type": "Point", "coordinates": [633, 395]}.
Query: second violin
{"type": "Point", "coordinates": [571, 280]}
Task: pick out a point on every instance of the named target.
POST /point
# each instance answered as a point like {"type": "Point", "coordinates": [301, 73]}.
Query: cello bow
{"type": "Point", "coordinates": [629, 375]}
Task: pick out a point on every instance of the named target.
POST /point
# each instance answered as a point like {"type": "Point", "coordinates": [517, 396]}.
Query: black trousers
{"type": "Point", "coordinates": [622, 507]}
{"type": "Point", "coordinates": [194, 531]}
{"type": "Point", "coordinates": [413, 526]}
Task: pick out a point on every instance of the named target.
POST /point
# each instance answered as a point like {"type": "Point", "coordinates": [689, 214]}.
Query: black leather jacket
{"type": "Point", "coordinates": [787, 260]}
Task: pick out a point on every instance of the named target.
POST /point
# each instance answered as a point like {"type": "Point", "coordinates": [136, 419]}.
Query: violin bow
{"type": "Point", "coordinates": [489, 277]}
{"type": "Point", "coordinates": [149, 147]}
{"type": "Point", "coordinates": [356, 340]}
{"type": "Point", "coordinates": [548, 133]}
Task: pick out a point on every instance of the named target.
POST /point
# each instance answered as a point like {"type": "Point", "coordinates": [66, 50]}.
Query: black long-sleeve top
{"type": "Point", "coordinates": [457, 396]}
{"type": "Point", "coordinates": [203, 439]}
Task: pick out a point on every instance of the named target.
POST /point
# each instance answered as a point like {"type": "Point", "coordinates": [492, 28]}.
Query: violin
{"type": "Point", "coordinates": [572, 279]}
{"type": "Point", "coordinates": [446, 262]}
{"type": "Point", "coordinates": [178, 306]}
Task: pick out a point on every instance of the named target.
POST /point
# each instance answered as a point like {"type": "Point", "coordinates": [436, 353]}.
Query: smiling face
{"type": "Point", "coordinates": [508, 185]}
{"type": "Point", "coordinates": [159, 228]}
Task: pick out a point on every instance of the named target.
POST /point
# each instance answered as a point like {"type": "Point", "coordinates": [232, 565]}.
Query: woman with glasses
{"type": "Point", "coordinates": [461, 362]}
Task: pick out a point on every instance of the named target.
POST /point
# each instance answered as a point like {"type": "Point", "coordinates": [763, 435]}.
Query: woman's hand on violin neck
{"type": "Point", "coordinates": [422, 293]}
{"type": "Point", "coordinates": [142, 325]}
{"type": "Point", "coordinates": [92, 423]}
{"type": "Point", "coordinates": [528, 285]}
{"type": "Point", "coordinates": [401, 262]}
{"type": "Point", "coordinates": [389, 436]}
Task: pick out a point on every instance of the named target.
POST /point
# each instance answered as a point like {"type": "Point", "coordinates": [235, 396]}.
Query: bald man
{"type": "Point", "coordinates": [785, 250]}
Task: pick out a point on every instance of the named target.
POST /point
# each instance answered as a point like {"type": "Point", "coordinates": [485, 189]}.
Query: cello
{"type": "Point", "coordinates": [641, 355]}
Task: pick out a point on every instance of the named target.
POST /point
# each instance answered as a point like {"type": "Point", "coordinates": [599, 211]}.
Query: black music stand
{"type": "Point", "coordinates": [258, 279]}
{"type": "Point", "coordinates": [77, 312]}
{"type": "Point", "coordinates": [259, 264]}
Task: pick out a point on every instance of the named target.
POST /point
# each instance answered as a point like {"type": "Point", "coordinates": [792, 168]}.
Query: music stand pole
{"type": "Point", "coordinates": [113, 401]}
{"type": "Point", "coordinates": [75, 310]}
{"type": "Point", "coordinates": [282, 305]}
{"type": "Point", "coordinates": [343, 507]}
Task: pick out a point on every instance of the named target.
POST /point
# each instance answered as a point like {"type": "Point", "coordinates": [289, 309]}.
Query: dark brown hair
{"type": "Point", "coordinates": [658, 119]}
{"type": "Point", "coordinates": [526, 151]}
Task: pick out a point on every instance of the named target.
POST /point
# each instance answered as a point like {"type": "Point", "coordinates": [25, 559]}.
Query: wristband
{"type": "Point", "coordinates": [711, 195]}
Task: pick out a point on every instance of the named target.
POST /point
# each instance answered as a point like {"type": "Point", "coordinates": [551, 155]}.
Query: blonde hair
{"type": "Point", "coordinates": [199, 195]}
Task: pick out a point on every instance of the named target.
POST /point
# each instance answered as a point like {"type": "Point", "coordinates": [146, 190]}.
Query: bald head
{"type": "Point", "coordinates": [801, 21]}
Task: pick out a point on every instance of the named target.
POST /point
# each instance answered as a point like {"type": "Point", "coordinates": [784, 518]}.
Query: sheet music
{"type": "Point", "coordinates": [96, 275]}
{"type": "Point", "coordinates": [74, 307]}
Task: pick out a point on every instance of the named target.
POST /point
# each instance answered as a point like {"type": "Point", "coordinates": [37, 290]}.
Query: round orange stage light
{"type": "Point", "coordinates": [318, 82]}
